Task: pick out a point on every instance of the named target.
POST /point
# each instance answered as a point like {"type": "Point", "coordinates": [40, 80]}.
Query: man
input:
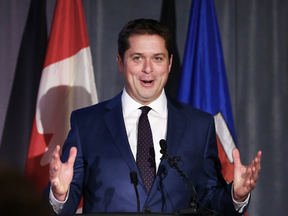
{"type": "Point", "coordinates": [104, 144]}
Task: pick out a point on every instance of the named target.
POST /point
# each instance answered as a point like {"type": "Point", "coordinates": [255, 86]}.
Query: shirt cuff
{"type": "Point", "coordinates": [239, 206]}
{"type": "Point", "coordinates": [57, 205]}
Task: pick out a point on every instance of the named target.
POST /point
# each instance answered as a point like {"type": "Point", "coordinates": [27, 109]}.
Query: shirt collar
{"type": "Point", "coordinates": [129, 105]}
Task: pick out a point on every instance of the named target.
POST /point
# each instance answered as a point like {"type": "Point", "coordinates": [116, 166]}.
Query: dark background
{"type": "Point", "coordinates": [254, 38]}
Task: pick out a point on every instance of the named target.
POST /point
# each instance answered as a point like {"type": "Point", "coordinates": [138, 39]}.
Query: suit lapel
{"type": "Point", "coordinates": [115, 123]}
{"type": "Point", "coordinates": [175, 129]}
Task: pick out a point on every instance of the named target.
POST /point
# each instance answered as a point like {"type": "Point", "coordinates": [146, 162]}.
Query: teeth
{"type": "Point", "coordinates": [147, 81]}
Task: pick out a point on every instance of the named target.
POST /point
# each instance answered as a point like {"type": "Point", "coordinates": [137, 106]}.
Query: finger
{"type": "Point", "coordinates": [55, 157]}
{"type": "Point", "coordinates": [55, 154]}
{"type": "Point", "coordinates": [55, 163]}
{"type": "Point", "coordinates": [259, 154]}
{"type": "Point", "coordinates": [72, 156]}
{"type": "Point", "coordinates": [236, 157]}
{"type": "Point", "coordinates": [254, 177]}
{"type": "Point", "coordinates": [255, 172]}
{"type": "Point", "coordinates": [258, 160]}
{"type": "Point", "coordinates": [249, 181]}
{"type": "Point", "coordinates": [255, 164]}
{"type": "Point", "coordinates": [56, 150]}
{"type": "Point", "coordinates": [251, 186]}
{"type": "Point", "coordinates": [252, 183]}
{"type": "Point", "coordinates": [249, 173]}
{"type": "Point", "coordinates": [54, 172]}
{"type": "Point", "coordinates": [54, 183]}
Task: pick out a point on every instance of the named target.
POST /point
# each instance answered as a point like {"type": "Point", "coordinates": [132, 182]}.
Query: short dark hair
{"type": "Point", "coordinates": [143, 27]}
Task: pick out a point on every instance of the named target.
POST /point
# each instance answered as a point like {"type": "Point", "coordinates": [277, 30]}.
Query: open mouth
{"type": "Point", "coordinates": [147, 81]}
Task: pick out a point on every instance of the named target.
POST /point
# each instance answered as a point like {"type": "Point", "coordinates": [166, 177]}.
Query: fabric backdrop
{"type": "Point", "coordinates": [254, 39]}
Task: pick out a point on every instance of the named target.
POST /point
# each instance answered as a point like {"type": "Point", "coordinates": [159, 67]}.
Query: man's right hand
{"type": "Point", "coordinates": [61, 174]}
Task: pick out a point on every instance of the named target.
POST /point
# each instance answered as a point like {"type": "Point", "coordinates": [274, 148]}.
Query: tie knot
{"type": "Point", "coordinates": [145, 109]}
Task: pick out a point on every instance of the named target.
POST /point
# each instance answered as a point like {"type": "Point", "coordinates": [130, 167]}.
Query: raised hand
{"type": "Point", "coordinates": [245, 177]}
{"type": "Point", "coordinates": [61, 174]}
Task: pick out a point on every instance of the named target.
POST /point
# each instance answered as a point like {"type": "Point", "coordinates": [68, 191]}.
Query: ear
{"type": "Point", "coordinates": [170, 62]}
{"type": "Point", "coordinates": [120, 63]}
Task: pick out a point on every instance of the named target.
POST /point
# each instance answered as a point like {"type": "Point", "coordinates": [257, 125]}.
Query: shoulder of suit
{"type": "Point", "coordinates": [188, 109]}
{"type": "Point", "coordinates": [100, 107]}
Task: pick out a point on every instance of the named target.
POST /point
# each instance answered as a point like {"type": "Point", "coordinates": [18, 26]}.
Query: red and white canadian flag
{"type": "Point", "coordinates": [67, 83]}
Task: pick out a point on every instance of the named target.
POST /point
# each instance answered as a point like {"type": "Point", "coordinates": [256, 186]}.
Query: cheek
{"type": "Point", "coordinates": [132, 73]}
{"type": "Point", "coordinates": [131, 78]}
{"type": "Point", "coordinates": [134, 69]}
{"type": "Point", "coordinates": [164, 72]}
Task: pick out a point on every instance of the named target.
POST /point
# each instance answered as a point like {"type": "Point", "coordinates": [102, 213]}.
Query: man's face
{"type": "Point", "coordinates": [145, 67]}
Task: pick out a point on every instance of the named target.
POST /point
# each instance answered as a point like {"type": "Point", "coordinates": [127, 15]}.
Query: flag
{"type": "Point", "coordinates": [21, 107]}
{"type": "Point", "coordinates": [203, 81]}
{"type": "Point", "coordinates": [168, 18]}
{"type": "Point", "coordinates": [67, 83]}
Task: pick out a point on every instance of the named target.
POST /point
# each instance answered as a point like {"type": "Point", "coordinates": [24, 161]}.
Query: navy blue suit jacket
{"type": "Point", "coordinates": [104, 162]}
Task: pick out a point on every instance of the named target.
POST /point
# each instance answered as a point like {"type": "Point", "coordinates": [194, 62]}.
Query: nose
{"type": "Point", "coordinates": [147, 66]}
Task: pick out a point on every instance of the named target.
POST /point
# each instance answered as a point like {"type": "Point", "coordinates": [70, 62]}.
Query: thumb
{"type": "Point", "coordinates": [72, 156]}
{"type": "Point", "coordinates": [236, 157]}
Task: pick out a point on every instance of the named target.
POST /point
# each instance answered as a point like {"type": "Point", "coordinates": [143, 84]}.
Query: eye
{"type": "Point", "coordinates": [158, 58]}
{"type": "Point", "coordinates": [136, 58]}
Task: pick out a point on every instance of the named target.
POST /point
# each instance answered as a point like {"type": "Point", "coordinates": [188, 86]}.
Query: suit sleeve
{"type": "Point", "coordinates": [214, 192]}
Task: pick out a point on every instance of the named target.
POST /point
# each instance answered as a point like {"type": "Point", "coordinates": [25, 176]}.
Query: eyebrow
{"type": "Point", "coordinates": [157, 54]}
{"type": "Point", "coordinates": [133, 54]}
{"type": "Point", "coordinates": [141, 54]}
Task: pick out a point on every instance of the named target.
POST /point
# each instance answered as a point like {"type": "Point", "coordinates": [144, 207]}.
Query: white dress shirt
{"type": "Point", "coordinates": [157, 118]}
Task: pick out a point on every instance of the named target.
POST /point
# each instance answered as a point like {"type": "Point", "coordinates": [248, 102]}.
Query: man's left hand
{"type": "Point", "coordinates": [245, 177]}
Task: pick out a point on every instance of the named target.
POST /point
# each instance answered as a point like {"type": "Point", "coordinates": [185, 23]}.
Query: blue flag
{"type": "Point", "coordinates": [203, 82]}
